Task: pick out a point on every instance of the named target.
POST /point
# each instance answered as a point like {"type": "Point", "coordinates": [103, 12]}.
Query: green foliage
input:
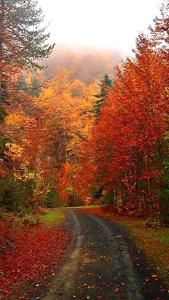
{"type": "Point", "coordinates": [3, 92]}
{"type": "Point", "coordinates": [108, 198]}
{"type": "Point", "coordinates": [164, 238]}
{"type": "Point", "coordinates": [3, 114]}
{"type": "Point", "coordinates": [49, 198]}
{"type": "Point", "coordinates": [3, 141]}
{"type": "Point", "coordinates": [14, 194]}
{"type": "Point", "coordinates": [22, 31]}
{"type": "Point", "coordinates": [32, 219]}
{"type": "Point", "coordinates": [105, 85]}
{"type": "Point", "coordinates": [52, 199]}
{"type": "Point", "coordinates": [69, 190]}
{"type": "Point", "coordinates": [161, 189]}
{"type": "Point", "coordinates": [3, 97]}
{"type": "Point", "coordinates": [23, 41]}
{"type": "Point", "coordinates": [164, 194]}
{"type": "Point", "coordinates": [97, 192]}
{"type": "Point", "coordinates": [33, 88]}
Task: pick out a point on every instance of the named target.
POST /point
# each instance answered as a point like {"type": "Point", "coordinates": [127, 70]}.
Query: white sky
{"type": "Point", "coordinates": [100, 23]}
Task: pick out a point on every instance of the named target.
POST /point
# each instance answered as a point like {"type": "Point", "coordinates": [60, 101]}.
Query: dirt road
{"type": "Point", "coordinates": [103, 264]}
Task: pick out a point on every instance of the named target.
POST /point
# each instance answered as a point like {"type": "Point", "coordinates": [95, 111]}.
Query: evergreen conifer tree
{"type": "Point", "coordinates": [105, 85]}
{"type": "Point", "coordinates": [35, 88]}
{"type": "Point", "coordinates": [23, 39]}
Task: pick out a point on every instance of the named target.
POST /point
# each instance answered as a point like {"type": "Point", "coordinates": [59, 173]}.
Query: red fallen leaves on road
{"type": "Point", "coordinates": [36, 250]}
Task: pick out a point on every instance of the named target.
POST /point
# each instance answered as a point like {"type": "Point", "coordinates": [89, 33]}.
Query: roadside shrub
{"type": "Point", "coordinates": [15, 194]}
{"type": "Point", "coordinates": [52, 199]}
{"type": "Point", "coordinates": [108, 198]}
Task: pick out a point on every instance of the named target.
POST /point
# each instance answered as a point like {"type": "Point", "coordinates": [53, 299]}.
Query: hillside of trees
{"type": "Point", "coordinates": [86, 64]}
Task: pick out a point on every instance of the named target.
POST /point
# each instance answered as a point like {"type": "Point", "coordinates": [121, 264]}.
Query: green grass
{"type": "Point", "coordinates": [161, 234]}
{"type": "Point", "coordinates": [164, 238]}
{"type": "Point", "coordinates": [52, 217]}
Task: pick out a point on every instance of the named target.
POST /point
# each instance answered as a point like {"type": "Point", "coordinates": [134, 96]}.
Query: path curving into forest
{"type": "Point", "coordinates": [103, 264]}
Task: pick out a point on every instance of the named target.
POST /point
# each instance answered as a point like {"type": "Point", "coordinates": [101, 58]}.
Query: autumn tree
{"type": "Point", "coordinates": [127, 145]}
{"type": "Point", "coordinates": [132, 123]}
{"type": "Point", "coordinates": [67, 114]}
{"type": "Point", "coordinates": [23, 43]}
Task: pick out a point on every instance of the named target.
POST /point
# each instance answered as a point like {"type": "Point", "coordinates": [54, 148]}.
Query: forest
{"type": "Point", "coordinates": [73, 135]}
{"type": "Point", "coordinates": [65, 141]}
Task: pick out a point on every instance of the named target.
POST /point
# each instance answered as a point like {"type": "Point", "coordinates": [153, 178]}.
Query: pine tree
{"type": "Point", "coordinates": [23, 40]}
{"type": "Point", "coordinates": [105, 85]}
{"type": "Point", "coordinates": [35, 88]}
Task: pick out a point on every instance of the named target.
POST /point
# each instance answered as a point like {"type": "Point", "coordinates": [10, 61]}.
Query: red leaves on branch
{"type": "Point", "coordinates": [127, 141]}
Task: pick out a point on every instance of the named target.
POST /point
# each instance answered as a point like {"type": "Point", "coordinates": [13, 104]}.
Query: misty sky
{"type": "Point", "coordinates": [99, 23]}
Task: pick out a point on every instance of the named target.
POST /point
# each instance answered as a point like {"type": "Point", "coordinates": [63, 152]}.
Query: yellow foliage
{"type": "Point", "coordinates": [13, 151]}
{"type": "Point", "coordinates": [14, 119]}
{"type": "Point", "coordinates": [69, 105]}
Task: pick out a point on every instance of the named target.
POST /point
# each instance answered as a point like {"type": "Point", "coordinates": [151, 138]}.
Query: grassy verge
{"type": "Point", "coordinates": [154, 242]}
{"type": "Point", "coordinates": [87, 206]}
{"type": "Point", "coordinates": [53, 217]}
{"type": "Point", "coordinates": [46, 217]}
